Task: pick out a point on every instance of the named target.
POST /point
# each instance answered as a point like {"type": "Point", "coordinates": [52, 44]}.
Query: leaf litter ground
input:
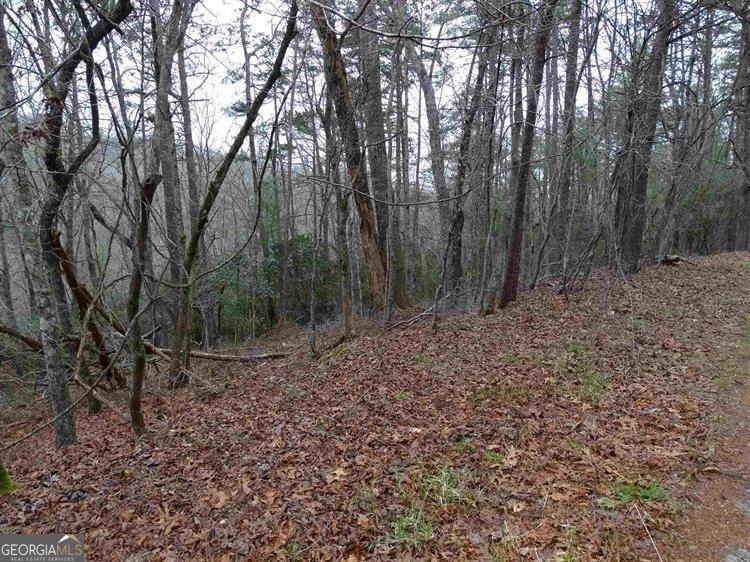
{"type": "Point", "coordinates": [554, 430]}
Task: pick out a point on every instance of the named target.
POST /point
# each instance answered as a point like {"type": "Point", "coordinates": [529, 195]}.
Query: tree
{"type": "Point", "coordinates": [168, 32]}
{"type": "Point", "coordinates": [338, 88]}
{"type": "Point", "coordinates": [631, 171]}
{"type": "Point", "coordinates": [145, 199]}
{"type": "Point", "coordinates": [457, 221]}
{"type": "Point", "coordinates": [741, 141]}
{"type": "Point", "coordinates": [437, 155]}
{"type": "Point", "coordinates": [374, 122]}
{"type": "Point", "coordinates": [513, 267]}
{"type": "Point", "coordinates": [61, 176]}
{"type": "Point", "coordinates": [179, 338]}
{"type": "Point", "coordinates": [15, 170]}
{"type": "Point", "coordinates": [561, 214]}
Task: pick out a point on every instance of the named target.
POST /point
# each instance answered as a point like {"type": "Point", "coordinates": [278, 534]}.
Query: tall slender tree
{"type": "Point", "coordinates": [631, 171]}
{"type": "Point", "coordinates": [338, 88]}
{"type": "Point", "coordinates": [515, 246]}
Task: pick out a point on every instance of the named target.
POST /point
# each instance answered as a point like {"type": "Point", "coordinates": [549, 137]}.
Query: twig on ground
{"type": "Point", "coordinates": [648, 532]}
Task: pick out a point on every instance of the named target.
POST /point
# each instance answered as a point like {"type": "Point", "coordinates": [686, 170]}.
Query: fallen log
{"type": "Point", "coordinates": [674, 260]}
{"type": "Point", "coordinates": [151, 349]}
{"type": "Point", "coordinates": [36, 345]}
{"type": "Point", "coordinates": [226, 357]}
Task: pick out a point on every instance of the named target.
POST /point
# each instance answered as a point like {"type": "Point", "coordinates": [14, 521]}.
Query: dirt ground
{"type": "Point", "coordinates": [716, 521]}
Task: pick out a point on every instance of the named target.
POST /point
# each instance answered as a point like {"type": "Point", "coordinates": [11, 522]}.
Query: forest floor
{"type": "Point", "coordinates": [611, 426]}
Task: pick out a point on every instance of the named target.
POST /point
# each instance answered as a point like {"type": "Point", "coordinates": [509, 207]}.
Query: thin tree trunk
{"type": "Point", "coordinates": [167, 39]}
{"type": "Point", "coordinates": [457, 221]}
{"type": "Point", "coordinates": [60, 179]}
{"type": "Point", "coordinates": [512, 269]}
{"type": "Point", "coordinates": [6, 297]}
{"type": "Point", "coordinates": [741, 142]}
{"type": "Point", "coordinates": [176, 371]}
{"type": "Point", "coordinates": [437, 155]}
{"type": "Point", "coordinates": [134, 302]}
{"type": "Point", "coordinates": [396, 254]}
{"type": "Point", "coordinates": [560, 217]}
{"type": "Point", "coordinates": [16, 176]}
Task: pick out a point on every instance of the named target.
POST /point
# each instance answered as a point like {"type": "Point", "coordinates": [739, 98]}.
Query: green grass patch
{"type": "Point", "coordinates": [512, 359]}
{"type": "Point", "coordinates": [447, 486]}
{"type": "Point", "coordinates": [494, 458]}
{"type": "Point", "coordinates": [570, 553]}
{"type": "Point", "coordinates": [425, 360]}
{"type": "Point", "coordinates": [578, 445]}
{"type": "Point", "coordinates": [323, 425]}
{"type": "Point", "coordinates": [365, 500]}
{"type": "Point", "coordinates": [628, 492]}
{"type": "Point", "coordinates": [499, 552]}
{"type": "Point", "coordinates": [500, 392]}
{"type": "Point", "coordinates": [593, 384]}
{"type": "Point", "coordinates": [734, 373]}
{"type": "Point", "coordinates": [412, 529]}
{"type": "Point", "coordinates": [292, 390]}
{"type": "Point", "coordinates": [538, 361]}
{"type": "Point", "coordinates": [745, 340]}
{"type": "Point", "coordinates": [634, 324]}
{"type": "Point", "coordinates": [568, 556]}
{"type": "Point", "coordinates": [465, 445]}
{"type": "Point", "coordinates": [580, 349]}
{"type": "Point", "coordinates": [294, 551]}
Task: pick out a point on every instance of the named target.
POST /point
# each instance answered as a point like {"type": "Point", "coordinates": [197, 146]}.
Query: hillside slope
{"type": "Point", "coordinates": [570, 430]}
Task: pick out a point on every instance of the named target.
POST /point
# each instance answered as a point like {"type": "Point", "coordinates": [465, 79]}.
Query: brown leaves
{"type": "Point", "coordinates": [321, 461]}
{"type": "Point", "coordinates": [218, 499]}
{"type": "Point", "coordinates": [335, 475]}
{"type": "Point", "coordinates": [166, 520]}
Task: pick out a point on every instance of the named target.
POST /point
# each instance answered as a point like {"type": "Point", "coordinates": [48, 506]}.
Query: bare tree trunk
{"type": "Point", "coordinates": [288, 190]}
{"type": "Point", "coordinates": [84, 300]}
{"type": "Point", "coordinates": [516, 102]}
{"type": "Point", "coordinates": [560, 216]}
{"type": "Point", "coordinates": [333, 173]}
{"type": "Point", "coordinates": [16, 177]}
{"type": "Point", "coordinates": [134, 299]}
{"type": "Point", "coordinates": [437, 155]}
{"type": "Point", "coordinates": [167, 39]}
{"type": "Point", "coordinates": [630, 177]}
{"type": "Point", "coordinates": [374, 122]}
{"type": "Point", "coordinates": [457, 221]}
{"type": "Point", "coordinates": [512, 269]}
{"type": "Point", "coordinates": [487, 218]}
{"type": "Point", "coordinates": [740, 238]}
{"type": "Point", "coordinates": [397, 258]}
{"type": "Point", "coordinates": [270, 304]}
{"type": "Point", "coordinates": [192, 173]}
{"type": "Point", "coordinates": [414, 251]}
{"type": "Point", "coordinates": [338, 88]}
{"type": "Point", "coordinates": [6, 297]}
{"type": "Point", "coordinates": [60, 179]}
{"type": "Point", "coordinates": [176, 370]}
